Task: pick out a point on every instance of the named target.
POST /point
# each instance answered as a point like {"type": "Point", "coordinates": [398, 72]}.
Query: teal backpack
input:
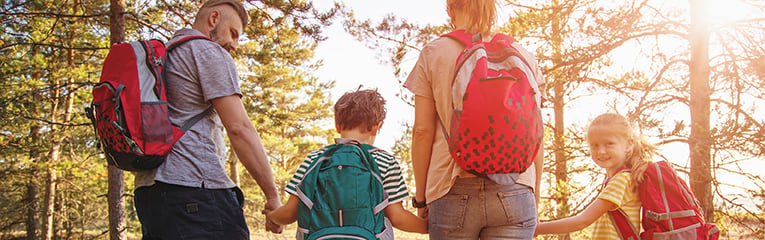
{"type": "Point", "coordinates": [342, 195]}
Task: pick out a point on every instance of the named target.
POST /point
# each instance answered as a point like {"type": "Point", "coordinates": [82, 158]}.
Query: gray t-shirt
{"type": "Point", "coordinates": [196, 72]}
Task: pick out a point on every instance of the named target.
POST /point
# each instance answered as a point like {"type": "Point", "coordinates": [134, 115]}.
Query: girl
{"type": "Point", "coordinates": [625, 156]}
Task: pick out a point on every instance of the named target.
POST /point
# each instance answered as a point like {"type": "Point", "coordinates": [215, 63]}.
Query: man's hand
{"type": "Point", "coordinates": [272, 204]}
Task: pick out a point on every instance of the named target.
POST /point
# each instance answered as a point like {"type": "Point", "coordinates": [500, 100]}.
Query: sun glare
{"type": "Point", "coordinates": [721, 12]}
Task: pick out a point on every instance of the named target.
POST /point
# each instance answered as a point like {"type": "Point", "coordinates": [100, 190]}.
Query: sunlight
{"type": "Point", "coordinates": [722, 12]}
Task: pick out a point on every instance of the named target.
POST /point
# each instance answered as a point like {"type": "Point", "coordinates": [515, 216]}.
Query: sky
{"type": "Point", "coordinates": [350, 63]}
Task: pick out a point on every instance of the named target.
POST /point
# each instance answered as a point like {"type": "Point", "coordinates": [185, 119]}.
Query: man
{"type": "Point", "coordinates": [190, 196]}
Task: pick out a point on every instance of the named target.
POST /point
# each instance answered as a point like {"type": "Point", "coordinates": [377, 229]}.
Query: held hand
{"type": "Point", "coordinates": [272, 227]}
{"type": "Point", "coordinates": [272, 204]}
{"type": "Point", "coordinates": [423, 212]}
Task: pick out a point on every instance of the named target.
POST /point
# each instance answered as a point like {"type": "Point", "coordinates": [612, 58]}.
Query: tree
{"type": "Point", "coordinates": [43, 68]}
{"type": "Point", "coordinates": [52, 55]}
{"type": "Point", "coordinates": [700, 140]}
{"type": "Point", "coordinates": [578, 37]}
{"type": "Point", "coordinates": [116, 176]}
{"type": "Point", "coordinates": [289, 106]}
{"type": "Point", "coordinates": [708, 78]}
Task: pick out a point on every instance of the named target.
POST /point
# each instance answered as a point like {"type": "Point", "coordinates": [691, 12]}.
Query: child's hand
{"type": "Point", "coordinates": [423, 212]}
{"type": "Point", "coordinates": [271, 226]}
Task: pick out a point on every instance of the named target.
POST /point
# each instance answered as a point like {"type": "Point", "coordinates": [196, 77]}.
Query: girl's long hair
{"type": "Point", "coordinates": [639, 156]}
{"type": "Point", "coordinates": [479, 15]}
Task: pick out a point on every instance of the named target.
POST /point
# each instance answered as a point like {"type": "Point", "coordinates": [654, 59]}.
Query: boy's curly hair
{"type": "Point", "coordinates": [360, 108]}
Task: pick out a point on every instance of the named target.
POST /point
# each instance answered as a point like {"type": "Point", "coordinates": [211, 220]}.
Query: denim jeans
{"type": "Point", "coordinates": [168, 211]}
{"type": "Point", "coordinates": [478, 208]}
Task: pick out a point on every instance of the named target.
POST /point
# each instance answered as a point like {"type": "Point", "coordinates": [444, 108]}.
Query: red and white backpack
{"type": "Point", "coordinates": [496, 122]}
{"type": "Point", "coordinates": [669, 210]}
{"type": "Point", "coordinates": [129, 108]}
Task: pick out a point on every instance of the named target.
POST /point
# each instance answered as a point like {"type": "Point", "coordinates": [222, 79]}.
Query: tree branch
{"type": "Point", "coordinates": [52, 14]}
{"type": "Point", "coordinates": [60, 47]}
{"type": "Point", "coordinates": [57, 123]}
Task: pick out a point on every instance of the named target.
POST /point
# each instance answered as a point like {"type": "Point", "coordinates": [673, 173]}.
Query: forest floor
{"type": "Point", "coordinates": [747, 229]}
{"type": "Point", "coordinates": [289, 234]}
{"type": "Point", "coordinates": [734, 232]}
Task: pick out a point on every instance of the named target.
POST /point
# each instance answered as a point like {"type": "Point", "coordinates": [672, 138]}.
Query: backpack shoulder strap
{"type": "Point", "coordinates": [310, 176]}
{"type": "Point", "coordinates": [183, 40]}
{"type": "Point", "coordinates": [190, 123]}
{"type": "Point", "coordinates": [196, 119]}
{"type": "Point", "coordinates": [370, 161]}
{"type": "Point", "coordinates": [463, 37]}
{"type": "Point", "coordinates": [619, 218]}
{"type": "Point", "coordinates": [623, 226]}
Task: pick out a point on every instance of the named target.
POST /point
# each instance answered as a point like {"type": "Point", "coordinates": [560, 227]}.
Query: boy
{"type": "Point", "coordinates": [358, 117]}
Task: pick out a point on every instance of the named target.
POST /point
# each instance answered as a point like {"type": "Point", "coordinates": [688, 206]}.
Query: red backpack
{"type": "Point", "coordinates": [670, 210]}
{"type": "Point", "coordinates": [129, 108]}
{"type": "Point", "coordinates": [496, 122]}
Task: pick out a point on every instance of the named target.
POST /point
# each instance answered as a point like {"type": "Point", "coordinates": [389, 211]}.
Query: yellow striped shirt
{"type": "Point", "coordinates": [618, 191]}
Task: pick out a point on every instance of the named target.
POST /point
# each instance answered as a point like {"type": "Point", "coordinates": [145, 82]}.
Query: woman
{"type": "Point", "coordinates": [460, 205]}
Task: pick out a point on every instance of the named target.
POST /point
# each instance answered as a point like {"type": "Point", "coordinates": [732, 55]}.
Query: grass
{"type": "Point", "coordinates": [289, 233]}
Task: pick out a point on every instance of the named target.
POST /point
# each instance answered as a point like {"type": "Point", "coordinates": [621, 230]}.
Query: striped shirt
{"type": "Point", "coordinates": [618, 191]}
{"type": "Point", "coordinates": [390, 171]}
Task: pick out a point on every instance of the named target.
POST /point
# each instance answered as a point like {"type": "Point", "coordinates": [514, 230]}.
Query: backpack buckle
{"type": "Point", "coordinates": [158, 61]}
{"type": "Point", "coordinates": [119, 128]}
{"type": "Point", "coordinates": [652, 215]}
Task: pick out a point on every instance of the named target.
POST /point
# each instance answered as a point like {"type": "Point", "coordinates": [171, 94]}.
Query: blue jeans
{"type": "Point", "coordinates": [480, 208]}
{"type": "Point", "coordinates": [168, 211]}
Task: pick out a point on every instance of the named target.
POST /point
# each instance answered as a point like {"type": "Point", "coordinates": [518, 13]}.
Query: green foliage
{"type": "Point", "coordinates": [51, 55]}
{"type": "Point", "coordinates": [402, 150]}
{"type": "Point", "coordinates": [290, 107]}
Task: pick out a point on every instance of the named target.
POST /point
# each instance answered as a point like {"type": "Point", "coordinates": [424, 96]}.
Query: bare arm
{"type": "Point", "coordinates": [248, 147]}
{"type": "Point", "coordinates": [578, 222]}
{"type": "Point", "coordinates": [405, 220]}
{"type": "Point", "coordinates": [539, 159]}
{"type": "Point", "coordinates": [285, 214]}
{"type": "Point", "coordinates": [423, 131]}
{"type": "Point", "coordinates": [539, 167]}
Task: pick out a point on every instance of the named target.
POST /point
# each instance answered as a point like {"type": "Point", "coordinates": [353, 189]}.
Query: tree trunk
{"type": "Point", "coordinates": [50, 192]}
{"type": "Point", "coordinates": [31, 194]}
{"type": "Point", "coordinates": [700, 141]}
{"type": "Point", "coordinates": [561, 195]}
{"type": "Point", "coordinates": [116, 204]}
{"type": "Point", "coordinates": [31, 203]}
{"type": "Point", "coordinates": [116, 177]}
{"type": "Point", "coordinates": [53, 154]}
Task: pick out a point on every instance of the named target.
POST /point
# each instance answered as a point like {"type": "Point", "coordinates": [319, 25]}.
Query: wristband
{"type": "Point", "coordinates": [418, 204]}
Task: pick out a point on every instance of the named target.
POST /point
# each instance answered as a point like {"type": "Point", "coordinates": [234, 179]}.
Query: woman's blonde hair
{"type": "Point", "coordinates": [639, 156]}
{"type": "Point", "coordinates": [479, 15]}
